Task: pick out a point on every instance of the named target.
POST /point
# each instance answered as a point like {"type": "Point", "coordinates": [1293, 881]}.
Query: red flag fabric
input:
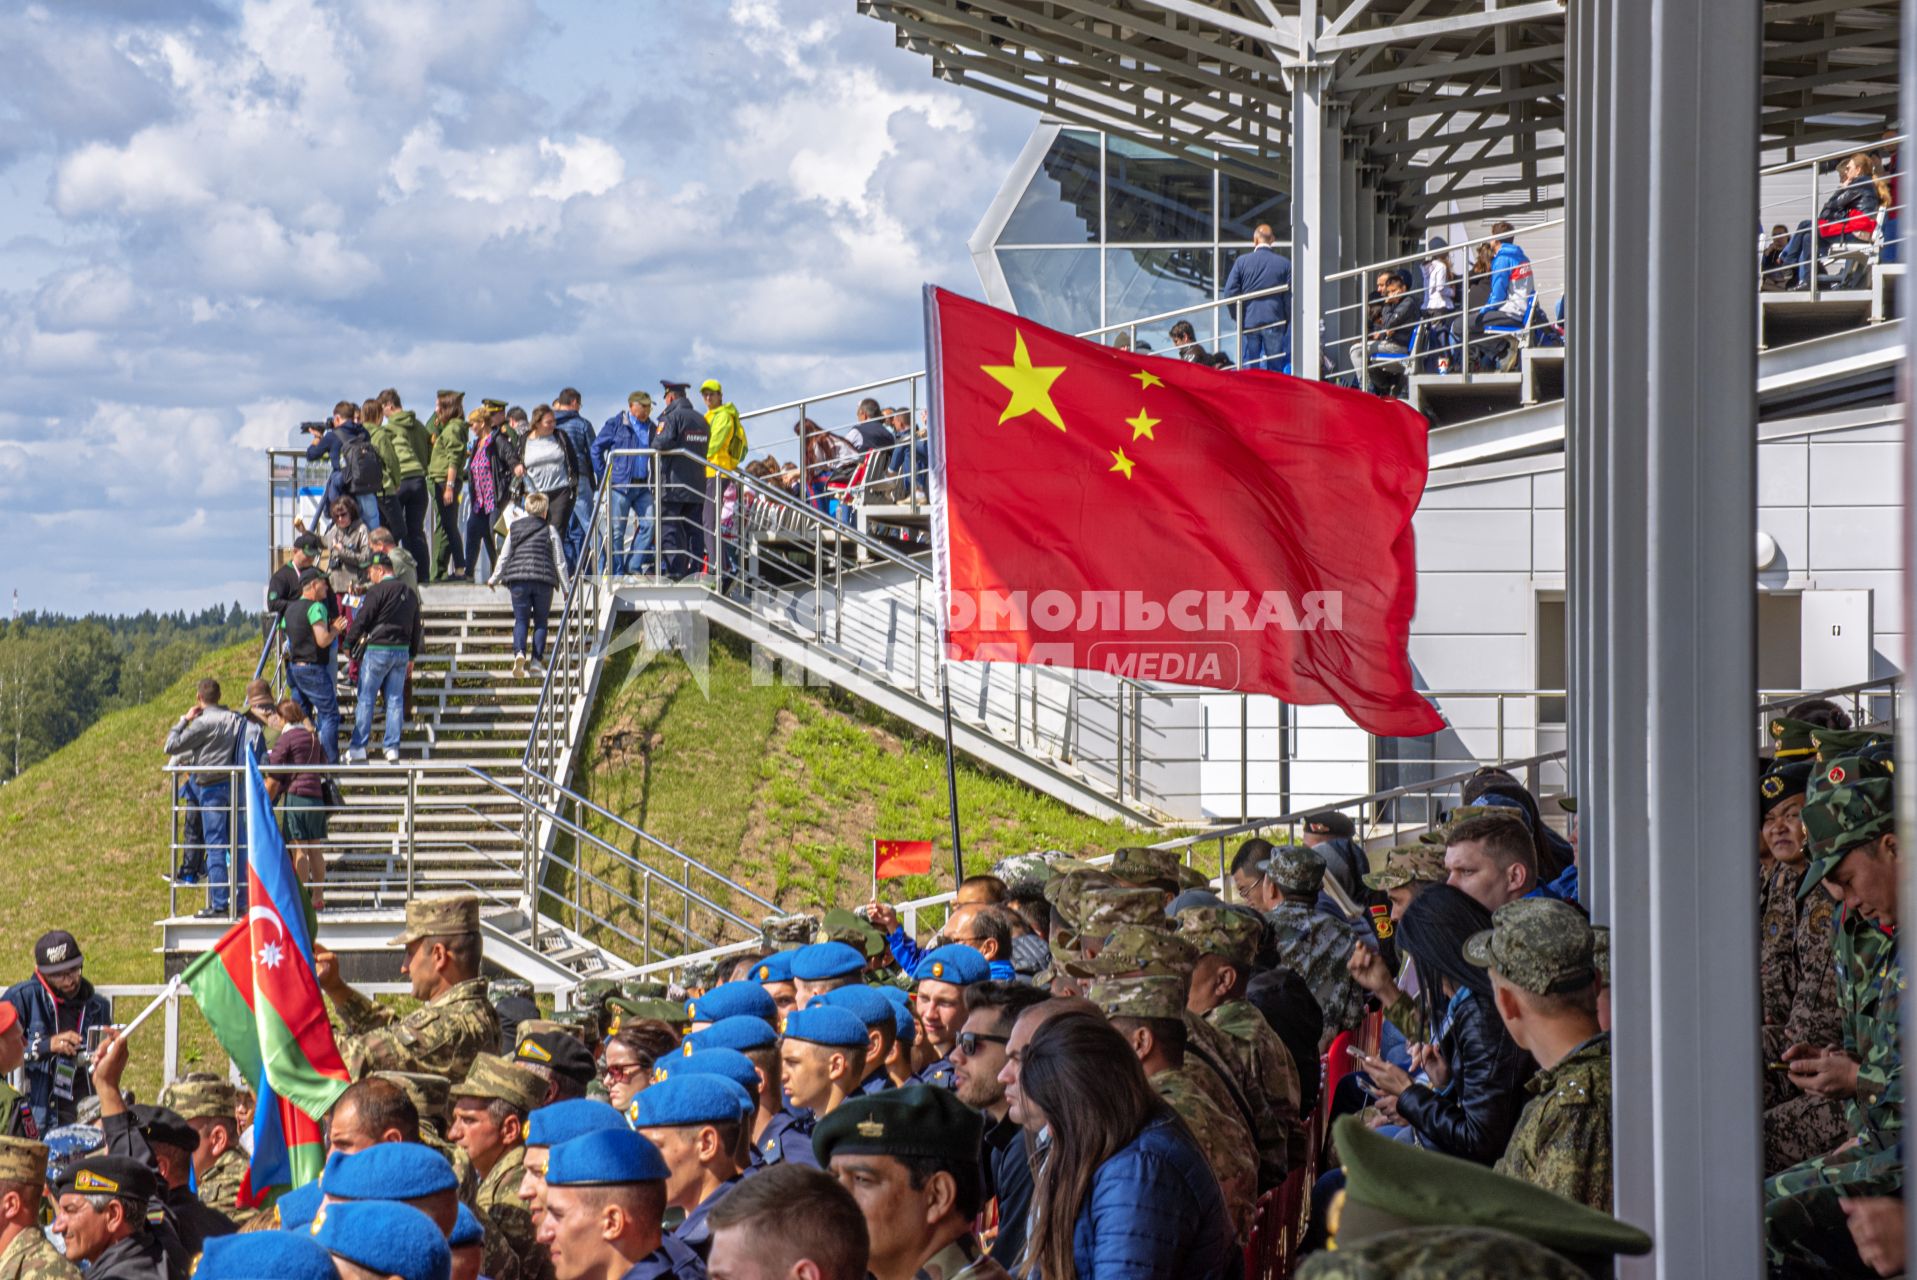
{"type": "Point", "coordinates": [1170, 522]}
{"type": "Point", "coordinates": [894, 858]}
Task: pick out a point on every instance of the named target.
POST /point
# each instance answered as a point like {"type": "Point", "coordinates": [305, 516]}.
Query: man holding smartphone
{"type": "Point", "coordinates": [57, 1006]}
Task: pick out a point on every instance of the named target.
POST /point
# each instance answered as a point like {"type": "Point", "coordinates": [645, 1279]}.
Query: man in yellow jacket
{"type": "Point", "coordinates": [725, 448]}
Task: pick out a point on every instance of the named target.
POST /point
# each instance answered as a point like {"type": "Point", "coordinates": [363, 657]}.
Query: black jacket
{"type": "Point", "coordinates": [138, 1257]}
{"type": "Point", "coordinates": [1008, 1178]}
{"type": "Point", "coordinates": [1398, 319]}
{"type": "Point", "coordinates": [1856, 196]}
{"type": "Point", "coordinates": [389, 614]}
{"type": "Point", "coordinates": [1473, 1118]}
{"type": "Point", "coordinates": [682, 427]}
{"type": "Point", "coordinates": [281, 590]}
{"type": "Point", "coordinates": [163, 1239]}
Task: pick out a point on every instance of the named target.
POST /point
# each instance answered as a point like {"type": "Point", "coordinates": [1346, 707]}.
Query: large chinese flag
{"type": "Point", "coordinates": [1153, 518]}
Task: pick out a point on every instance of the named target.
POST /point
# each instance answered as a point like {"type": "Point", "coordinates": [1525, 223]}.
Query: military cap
{"type": "Point", "coordinates": [121, 1177]}
{"type": "Point", "coordinates": [562, 1121]}
{"type": "Point", "coordinates": [639, 397]}
{"type": "Point", "coordinates": [824, 1025]}
{"type": "Point", "coordinates": [698, 974]}
{"type": "Point", "coordinates": [1222, 931]}
{"type": "Point", "coordinates": [1791, 739]}
{"type": "Point", "coordinates": [508, 988]}
{"type": "Point", "coordinates": [467, 1230]}
{"type": "Point", "coordinates": [918, 1122]}
{"type": "Point", "coordinates": [1331, 822]}
{"type": "Point", "coordinates": [1136, 948]}
{"type": "Point", "coordinates": [1393, 1185]}
{"type": "Point", "coordinates": [1295, 869]}
{"type": "Point", "coordinates": [733, 1000]}
{"type": "Point", "coordinates": [497, 406]}
{"type": "Point", "coordinates": [431, 1094]}
{"type": "Point", "coordinates": [388, 1171]}
{"type": "Point", "coordinates": [1601, 952]}
{"type": "Point", "coordinates": [644, 989]}
{"type": "Point", "coordinates": [264, 1255]}
{"type": "Point", "coordinates": [564, 1054]}
{"type": "Point", "coordinates": [1540, 945]}
{"type": "Point", "coordinates": [620, 1010]}
{"type": "Point", "coordinates": [1851, 802]}
{"type": "Point", "coordinates": [1834, 743]}
{"type": "Point", "coordinates": [739, 1034]}
{"type": "Point", "coordinates": [863, 1003]}
{"type": "Point", "coordinates": [691, 1098]}
{"type": "Point", "coordinates": [1781, 783]}
{"type": "Point", "coordinates": [386, 1238]}
{"type": "Point", "coordinates": [298, 1207]}
{"type": "Point", "coordinates": [776, 967]}
{"type": "Point", "coordinates": [790, 931]}
{"type": "Point", "coordinates": [671, 385]}
{"type": "Point", "coordinates": [574, 1027]}
{"type": "Point", "coordinates": [493, 1077]}
{"type": "Point", "coordinates": [821, 961]}
{"type": "Point", "coordinates": [1567, 802]}
{"type": "Point", "coordinates": [23, 1160]}
{"type": "Point", "coordinates": [1103, 909]}
{"type": "Point", "coordinates": [165, 1125]}
{"type": "Point", "coordinates": [605, 1158]}
{"type": "Point", "coordinates": [694, 1061]}
{"type": "Point", "coordinates": [1064, 890]}
{"type": "Point", "coordinates": [439, 918]}
{"type": "Point", "coordinates": [955, 962]}
{"type": "Point", "coordinates": [1400, 865]}
{"type": "Point", "coordinates": [592, 992]}
{"type": "Point", "coordinates": [1151, 996]}
{"type": "Point", "coordinates": [451, 395]}
{"type": "Point", "coordinates": [840, 925]}
{"type": "Point", "coordinates": [1136, 865]}
{"type": "Point", "coordinates": [202, 1099]}
{"type": "Point", "coordinates": [1025, 874]}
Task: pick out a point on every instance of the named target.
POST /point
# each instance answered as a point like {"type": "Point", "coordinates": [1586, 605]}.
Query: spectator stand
{"type": "Point", "coordinates": [1855, 279]}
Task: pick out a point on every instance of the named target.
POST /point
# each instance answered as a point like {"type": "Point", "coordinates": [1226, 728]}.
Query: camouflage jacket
{"type": "Point", "coordinates": [1870, 988]}
{"type": "Point", "coordinates": [456, 1157]}
{"type": "Point", "coordinates": [1224, 1068]}
{"type": "Point", "coordinates": [1797, 976]}
{"type": "Point", "coordinates": [441, 1037]}
{"type": "Point", "coordinates": [31, 1256]}
{"type": "Point", "coordinates": [1263, 1059]}
{"type": "Point", "coordinates": [1563, 1139]}
{"type": "Point", "coordinates": [220, 1186]}
{"type": "Point", "coordinates": [1315, 947]}
{"type": "Point", "coordinates": [1223, 1139]}
{"type": "Point", "coordinates": [511, 1217]}
{"type": "Point", "coordinates": [961, 1260]}
{"type": "Point", "coordinates": [1776, 939]}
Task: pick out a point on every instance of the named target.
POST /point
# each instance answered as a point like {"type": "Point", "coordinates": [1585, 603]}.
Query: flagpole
{"type": "Point", "coordinates": [875, 868]}
{"type": "Point", "coordinates": [951, 782]}
{"type": "Point", "coordinates": [171, 989]}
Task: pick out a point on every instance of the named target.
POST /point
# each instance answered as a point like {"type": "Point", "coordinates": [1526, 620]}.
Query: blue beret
{"type": "Point", "coordinates": [823, 1024]}
{"type": "Point", "coordinates": [897, 995]}
{"type": "Point", "coordinates": [824, 960]}
{"type": "Point", "coordinates": [386, 1237]}
{"type": "Point", "coordinates": [729, 1063]}
{"type": "Point", "coordinates": [388, 1171]}
{"type": "Point", "coordinates": [564, 1121]}
{"type": "Point", "coordinates": [863, 1003]}
{"type": "Point", "coordinates": [690, 1098]}
{"type": "Point", "coordinates": [739, 1034]}
{"type": "Point", "coordinates": [776, 967]}
{"type": "Point", "coordinates": [264, 1255]}
{"type": "Point", "coordinates": [604, 1158]}
{"type": "Point", "coordinates": [734, 1000]}
{"type": "Point", "coordinates": [466, 1229]}
{"type": "Point", "coordinates": [297, 1207]}
{"type": "Point", "coordinates": [904, 1029]}
{"type": "Point", "coordinates": [955, 963]}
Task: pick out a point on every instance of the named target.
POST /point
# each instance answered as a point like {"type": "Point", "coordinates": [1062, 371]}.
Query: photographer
{"type": "Point", "coordinates": [56, 1006]}
{"type": "Point", "coordinates": [357, 470]}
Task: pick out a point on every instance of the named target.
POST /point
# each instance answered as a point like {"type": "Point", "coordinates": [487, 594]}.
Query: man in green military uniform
{"type": "Point", "coordinates": [1850, 820]}
{"type": "Point", "coordinates": [1310, 943]}
{"type": "Point", "coordinates": [432, 1098]}
{"type": "Point", "coordinates": [25, 1251]}
{"type": "Point", "coordinates": [456, 1023]}
{"type": "Point", "coordinates": [211, 1107]}
{"type": "Point", "coordinates": [489, 1123]}
{"type": "Point", "coordinates": [1538, 952]}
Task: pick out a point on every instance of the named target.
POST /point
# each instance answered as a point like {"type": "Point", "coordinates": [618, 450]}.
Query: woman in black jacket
{"type": "Point", "coordinates": [1476, 1071]}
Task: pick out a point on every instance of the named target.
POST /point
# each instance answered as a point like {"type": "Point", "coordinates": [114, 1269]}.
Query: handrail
{"type": "Point", "coordinates": [1409, 258]}
{"type": "Point", "coordinates": [1851, 150]}
{"type": "Point", "coordinates": [1889, 684]}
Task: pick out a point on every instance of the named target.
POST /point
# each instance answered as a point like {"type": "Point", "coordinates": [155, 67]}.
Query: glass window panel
{"type": "Point", "coordinates": [1153, 196]}
{"type": "Point", "coordinates": [1056, 287]}
{"type": "Point", "coordinates": [1246, 204]}
{"type": "Point", "coordinates": [1060, 204]}
{"type": "Point", "coordinates": [1145, 282]}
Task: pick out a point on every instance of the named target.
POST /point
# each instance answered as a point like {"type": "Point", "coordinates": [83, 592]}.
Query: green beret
{"type": "Point", "coordinates": [644, 989]}
{"type": "Point", "coordinates": [919, 1121]}
{"type": "Point", "coordinates": [620, 1010]}
{"type": "Point", "coordinates": [1538, 945]}
{"type": "Point", "coordinates": [1851, 802]}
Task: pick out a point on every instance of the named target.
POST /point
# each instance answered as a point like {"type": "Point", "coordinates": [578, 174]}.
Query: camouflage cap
{"type": "Point", "coordinates": [568, 1026]}
{"type": "Point", "coordinates": [1832, 744]}
{"type": "Point", "coordinates": [1063, 891]}
{"type": "Point", "coordinates": [431, 1094]}
{"type": "Point", "coordinates": [697, 975]}
{"type": "Point", "coordinates": [201, 1099]}
{"type": "Point", "coordinates": [1153, 996]}
{"type": "Point", "coordinates": [498, 989]}
{"type": "Point", "coordinates": [840, 925]}
{"type": "Point", "coordinates": [1539, 945]}
{"type": "Point", "coordinates": [1025, 874]}
{"type": "Point", "coordinates": [642, 989]}
{"type": "Point", "coordinates": [494, 1077]}
{"type": "Point", "coordinates": [1137, 865]}
{"type": "Point", "coordinates": [1405, 864]}
{"type": "Point", "coordinates": [621, 1011]}
{"type": "Point", "coordinates": [1222, 931]}
{"type": "Point", "coordinates": [1851, 802]}
{"type": "Point", "coordinates": [777, 932]}
{"type": "Point", "coordinates": [1601, 952]}
{"type": "Point", "coordinates": [23, 1160]}
{"type": "Point", "coordinates": [1102, 909]}
{"type": "Point", "coordinates": [1294, 868]}
{"type": "Point", "coordinates": [593, 991]}
{"type": "Point", "coordinates": [439, 918]}
{"type": "Point", "coordinates": [1791, 739]}
{"type": "Point", "coordinates": [1137, 948]}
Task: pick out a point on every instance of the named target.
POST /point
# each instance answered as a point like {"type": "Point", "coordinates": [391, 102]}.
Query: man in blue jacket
{"type": "Point", "coordinates": [1507, 309]}
{"type": "Point", "coordinates": [568, 418]}
{"type": "Point", "coordinates": [628, 494]}
{"type": "Point", "coordinates": [57, 1006]}
{"type": "Point", "coordinates": [1265, 323]}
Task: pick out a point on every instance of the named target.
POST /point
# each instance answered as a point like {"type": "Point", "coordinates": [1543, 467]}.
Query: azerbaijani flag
{"type": "Point", "coordinates": [259, 994]}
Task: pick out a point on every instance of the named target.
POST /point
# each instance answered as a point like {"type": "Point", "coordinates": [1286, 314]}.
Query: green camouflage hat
{"type": "Point", "coordinates": [1102, 910]}
{"type": "Point", "coordinates": [1791, 739]}
{"type": "Point", "coordinates": [1539, 945]}
{"type": "Point", "coordinates": [1832, 744]}
{"type": "Point", "coordinates": [1851, 802]}
{"type": "Point", "coordinates": [854, 930]}
{"type": "Point", "coordinates": [1135, 865]}
{"type": "Point", "coordinates": [1065, 959]}
{"type": "Point", "coordinates": [643, 989]}
{"type": "Point", "coordinates": [448, 917]}
{"type": "Point", "coordinates": [779, 932]}
{"type": "Point", "coordinates": [698, 975]}
{"type": "Point", "coordinates": [1063, 891]}
{"type": "Point", "coordinates": [1025, 874]}
{"type": "Point", "coordinates": [1405, 864]}
{"type": "Point", "coordinates": [593, 991]}
{"type": "Point", "coordinates": [494, 1077]}
{"type": "Point", "coordinates": [1137, 948]}
{"type": "Point", "coordinates": [431, 1094]}
{"type": "Point", "coordinates": [1153, 996]}
{"type": "Point", "coordinates": [498, 989]}
{"type": "Point", "coordinates": [571, 1026]}
{"type": "Point", "coordinates": [1222, 931]}
{"type": "Point", "coordinates": [1601, 952]}
{"type": "Point", "coordinates": [1295, 869]}
{"type": "Point", "coordinates": [201, 1099]}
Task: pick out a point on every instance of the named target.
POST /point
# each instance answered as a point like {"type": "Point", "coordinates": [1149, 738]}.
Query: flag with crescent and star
{"type": "Point", "coordinates": [1170, 522]}
{"type": "Point", "coordinates": [260, 995]}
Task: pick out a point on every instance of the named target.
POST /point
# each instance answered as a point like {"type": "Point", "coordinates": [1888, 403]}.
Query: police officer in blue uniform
{"type": "Point", "coordinates": [683, 482]}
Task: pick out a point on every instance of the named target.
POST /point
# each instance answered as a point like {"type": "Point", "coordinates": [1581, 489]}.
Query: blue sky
{"type": "Point", "coordinates": [217, 217]}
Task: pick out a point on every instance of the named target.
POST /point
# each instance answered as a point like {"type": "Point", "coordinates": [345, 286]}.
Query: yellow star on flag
{"type": "Point", "coordinates": [1122, 464]}
{"type": "Point", "coordinates": [1030, 385]}
{"type": "Point", "coordinates": [1147, 379]}
{"type": "Point", "coordinates": [1142, 425]}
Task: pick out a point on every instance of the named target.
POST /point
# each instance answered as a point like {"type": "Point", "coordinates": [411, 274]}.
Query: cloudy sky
{"type": "Point", "coordinates": [217, 217]}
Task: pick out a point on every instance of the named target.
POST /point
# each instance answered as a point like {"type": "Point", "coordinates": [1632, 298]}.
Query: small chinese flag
{"type": "Point", "coordinates": [893, 858]}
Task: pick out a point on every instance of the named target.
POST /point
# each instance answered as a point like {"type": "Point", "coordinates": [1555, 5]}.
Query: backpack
{"type": "Point", "coordinates": [361, 471]}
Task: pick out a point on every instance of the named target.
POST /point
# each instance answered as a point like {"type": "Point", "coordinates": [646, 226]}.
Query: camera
{"type": "Point", "coordinates": [314, 428]}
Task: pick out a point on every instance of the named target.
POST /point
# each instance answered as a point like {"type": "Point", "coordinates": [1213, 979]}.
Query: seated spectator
{"type": "Point", "coordinates": [532, 565]}
{"type": "Point", "coordinates": [1507, 308]}
{"type": "Point", "coordinates": [390, 626]}
{"type": "Point", "coordinates": [1309, 942]}
{"type": "Point", "coordinates": [1392, 333]}
{"type": "Point", "coordinates": [302, 797]}
{"type": "Point", "coordinates": [1773, 272]}
{"type": "Point", "coordinates": [978, 1058]}
{"type": "Point", "coordinates": [870, 430]}
{"type": "Point", "coordinates": [912, 460]}
{"type": "Point", "coordinates": [823, 457]}
{"type": "Point", "coordinates": [1491, 857]}
{"type": "Point", "coordinates": [695, 1122]}
{"type": "Point", "coordinates": [789, 1221]}
{"type": "Point", "coordinates": [348, 549]}
{"type": "Point", "coordinates": [1185, 338]}
{"type": "Point", "coordinates": [1848, 217]}
{"type": "Point", "coordinates": [822, 1058]}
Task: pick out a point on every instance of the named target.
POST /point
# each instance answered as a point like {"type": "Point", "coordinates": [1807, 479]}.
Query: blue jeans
{"type": "Point", "coordinates": [382, 672]}
{"type": "Point", "coordinates": [368, 509]}
{"type": "Point", "coordinates": [631, 554]}
{"type": "Point", "coordinates": [313, 689]}
{"type": "Point", "coordinates": [214, 801]}
{"type": "Point", "coordinates": [912, 461]}
{"type": "Point", "coordinates": [1268, 348]}
{"type": "Point", "coordinates": [573, 536]}
{"type": "Point", "coordinates": [532, 606]}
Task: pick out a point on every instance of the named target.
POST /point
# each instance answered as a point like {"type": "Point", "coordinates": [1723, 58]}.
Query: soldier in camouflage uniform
{"type": "Point", "coordinates": [1134, 1005]}
{"type": "Point", "coordinates": [779, 932]}
{"type": "Point", "coordinates": [431, 1097]}
{"type": "Point", "coordinates": [1310, 943]}
{"type": "Point", "coordinates": [1403, 873]}
{"type": "Point", "coordinates": [1538, 952]}
{"type": "Point", "coordinates": [490, 1110]}
{"type": "Point", "coordinates": [29, 1255]}
{"type": "Point", "coordinates": [1139, 867]}
{"type": "Point", "coordinates": [1025, 874]}
{"type": "Point", "coordinates": [696, 977]}
{"type": "Point", "coordinates": [1850, 818]}
{"type": "Point", "coordinates": [456, 1023]}
{"type": "Point", "coordinates": [211, 1106]}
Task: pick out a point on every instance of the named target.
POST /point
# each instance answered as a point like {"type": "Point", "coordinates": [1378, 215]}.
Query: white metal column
{"type": "Point", "coordinates": [1663, 454]}
{"type": "Point", "coordinates": [1314, 195]}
